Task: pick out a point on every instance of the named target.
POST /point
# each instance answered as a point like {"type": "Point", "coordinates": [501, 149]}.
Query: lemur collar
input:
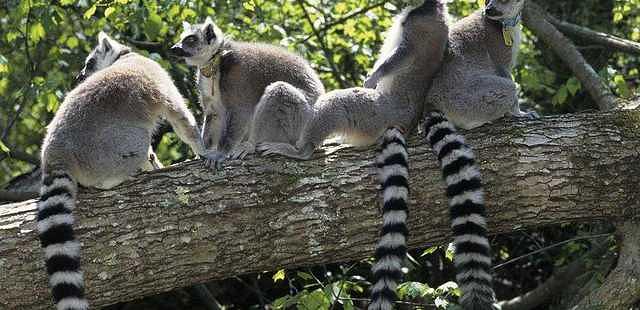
{"type": "Point", "coordinates": [508, 26]}
{"type": "Point", "coordinates": [211, 68]}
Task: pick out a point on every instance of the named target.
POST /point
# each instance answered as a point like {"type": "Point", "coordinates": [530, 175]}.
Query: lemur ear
{"type": "Point", "coordinates": [209, 30]}
{"type": "Point", "coordinates": [104, 41]}
{"type": "Point", "coordinates": [186, 26]}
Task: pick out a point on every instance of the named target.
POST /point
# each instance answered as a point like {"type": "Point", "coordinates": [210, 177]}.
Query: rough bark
{"type": "Point", "coordinates": [534, 19]}
{"type": "Point", "coordinates": [184, 225]}
{"type": "Point", "coordinates": [621, 288]}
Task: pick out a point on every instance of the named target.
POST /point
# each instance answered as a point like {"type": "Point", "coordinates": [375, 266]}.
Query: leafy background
{"type": "Point", "coordinates": [43, 45]}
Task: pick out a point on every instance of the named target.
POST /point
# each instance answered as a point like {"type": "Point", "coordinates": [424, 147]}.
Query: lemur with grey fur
{"type": "Point", "coordinates": [99, 137]}
{"type": "Point", "coordinates": [474, 85]}
{"type": "Point", "coordinates": [411, 56]}
{"type": "Point", "coordinates": [235, 78]}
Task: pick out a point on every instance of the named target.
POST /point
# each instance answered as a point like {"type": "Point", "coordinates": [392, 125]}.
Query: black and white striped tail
{"type": "Point", "coordinates": [392, 247]}
{"type": "Point", "coordinates": [61, 249]}
{"type": "Point", "coordinates": [466, 202]}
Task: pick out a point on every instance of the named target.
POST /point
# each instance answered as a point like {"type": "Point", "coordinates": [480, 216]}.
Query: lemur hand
{"type": "Point", "coordinates": [213, 159]}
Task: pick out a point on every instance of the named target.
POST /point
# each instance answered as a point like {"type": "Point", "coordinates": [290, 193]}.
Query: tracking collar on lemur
{"type": "Point", "coordinates": [211, 68]}
{"type": "Point", "coordinates": [508, 26]}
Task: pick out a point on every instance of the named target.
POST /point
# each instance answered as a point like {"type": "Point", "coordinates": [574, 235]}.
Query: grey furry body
{"type": "Point", "coordinates": [474, 85]}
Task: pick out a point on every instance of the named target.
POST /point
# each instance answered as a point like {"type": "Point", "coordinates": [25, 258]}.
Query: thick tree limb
{"type": "Point", "coordinates": [621, 288]}
{"type": "Point", "coordinates": [600, 38]}
{"type": "Point", "coordinates": [560, 279]}
{"type": "Point", "coordinates": [184, 225]}
{"type": "Point", "coordinates": [534, 19]}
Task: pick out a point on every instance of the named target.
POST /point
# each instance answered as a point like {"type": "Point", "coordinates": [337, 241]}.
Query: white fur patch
{"type": "Point", "coordinates": [392, 170]}
{"type": "Point", "coordinates": [454, 137]}
{"type": "Point", "coordinates": [463, 258]}
{"type": "Point", "coordinates": [395, 192]}
{"type": "Point", "coordinates": [473, 218]}
{"type": "Point", "coordinates": [72, 303]}
{"type": "Point", "coordinates": [70, 277]}
{"type": "Point", "coordinates": [59, 183]}
{"type": "Point", "coordinates": [392, 241]}
{"type": "Point", "coordinates": [54, 220]}
{"type": "Point", "coordinates": [466, 173]}
{"type": "Point", "coordinates": [394, 217]}
{"type": "Point", "coordinates": [455, 154]}
{"type": "Point", "coordinates": [66, 201]}
{"type": "Point", "coordinates": [473, 239]}
{"type": "Point", "coordinates": [69, 248]}
{"type": "Point", "coordinates": [392, 149]}
{"type": "Point", "coordinates": [476, 196]}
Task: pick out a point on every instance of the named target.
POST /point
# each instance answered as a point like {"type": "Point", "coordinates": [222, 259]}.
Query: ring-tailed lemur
{"type": "Point", "coordinates": [474, 85]}
{"type": "Point", "coordinates": [237, 79]}
{"type": "Point", "coordinates": [410, 56]}
{"type": "Point", "coordinates": [100, 137]}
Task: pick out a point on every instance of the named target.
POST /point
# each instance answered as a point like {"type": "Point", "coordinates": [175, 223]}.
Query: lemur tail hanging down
{"type": "Point", "coordinates": [391, 249]}
{"type": "Point", "coordinates": [466, 210]}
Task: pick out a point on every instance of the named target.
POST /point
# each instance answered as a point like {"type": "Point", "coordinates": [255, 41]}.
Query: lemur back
{"type": "Point", "coordinates": [474, 85]}
{"type": "Point", "coordinates": [245, 74]}
{"type": "Point", "coordinates": [99, 138]}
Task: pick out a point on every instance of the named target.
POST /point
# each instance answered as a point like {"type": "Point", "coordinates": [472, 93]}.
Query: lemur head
{"type": "Point", "coordinates": [102, 56]}
{"type": "Point", "coordinates": [198, 43]}
{"type": "Point", "coordinates": [503, 10]}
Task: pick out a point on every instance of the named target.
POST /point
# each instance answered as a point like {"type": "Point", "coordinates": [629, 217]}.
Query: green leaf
{"type": "Point", "coordinates": [410, 290]}
{"type": "Point", "coordinates": [304, 275]}
{"type": "Point", "coordinates": [109, 11]}
{"type": "Point", "coordinates": [36, 32]}
{"type": "Point", "coordinates": [573, 85]}
{"type": "Point", "coordinates": [279, 275]}
{"type": "Point", "coordinates": [90, 12]}
{"type": "Point", "coordinates": [561, 96]}
{"type": "Point", "coordinates": [450, 252]}
{"type": "Point", "coordinates": [72, 42]}
{"type": "Point", "coordinates": [316, 300]}
{"type": "Point", "coordinates": [4, 148]}
{"type": "Point", "coordinates": [67, 2]}
{"type": "Point", "coordinates": [153, 26]}
{"type": "Point", "coordinates": [429, 250]}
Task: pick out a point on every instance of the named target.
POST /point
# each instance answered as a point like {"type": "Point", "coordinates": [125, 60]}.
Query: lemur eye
{"type": "Point", "coordinates": [190, 39]}
{"type": "Point", "coordinates": [91, 63]}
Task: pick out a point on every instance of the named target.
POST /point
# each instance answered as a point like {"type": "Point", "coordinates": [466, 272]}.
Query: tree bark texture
{"type": "Point", "coordinates": [621, 288]}
{"type": "Point", "coordinates": [534, 19]}
{"type": "Point", "coordinates": [184, 224]}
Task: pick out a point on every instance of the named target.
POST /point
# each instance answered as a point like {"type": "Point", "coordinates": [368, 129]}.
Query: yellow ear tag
{"type": "Point", "coordinates": [507, 35]}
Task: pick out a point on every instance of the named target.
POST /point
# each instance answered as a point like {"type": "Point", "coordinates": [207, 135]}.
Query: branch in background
{"type": "Point", "coordinates": [154, 47]}
{"type": "Point", "coordinates": [327, 53]}
{"type": "Point", "coordinates": [8, 196]}
{"type": "Point", "coordinates": [183, 224]}
{"type": "Point", "coordinates": [621, 288]}
{"type": "Point", "coordinates": [22, 156]}
{"type": "Point", "coordinates": [557, 282]}
{"type": "Point", "coordinates": [596, 37]}
{"type": "Point", "coordinates": [534, 19]}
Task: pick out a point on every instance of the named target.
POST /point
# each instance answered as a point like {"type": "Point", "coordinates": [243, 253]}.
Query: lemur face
{"type": "Point", "coordinates": [102, 56]}
{"type": "Point", "coordinates": [198, 43]}
{"type": "Point", "coordinates": [503, 9]}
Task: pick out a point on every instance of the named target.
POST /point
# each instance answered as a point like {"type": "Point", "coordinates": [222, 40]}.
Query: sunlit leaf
{"type": "Point", "coordinates": [4, 148]}
{"type": "Point", "coordinates": [90, 12]}
{"type": "Point", "coordinates": [36, 32]}
{"type": "Point", "coordinates": [279, 275]}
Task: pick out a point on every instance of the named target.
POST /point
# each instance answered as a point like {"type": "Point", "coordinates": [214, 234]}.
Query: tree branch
{"type": "Point", "coordinates": [184, 225]}
{"type": "Point", "coordinates": [593, 36]}
{"type": "Point", "coordinates": [534, 19]}
{"type": "Point", "coordinates": [621, 288]}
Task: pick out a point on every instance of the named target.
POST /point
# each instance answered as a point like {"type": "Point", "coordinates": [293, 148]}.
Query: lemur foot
{"type": "Point", "coordinates": [213, 159]}
{"type": "Point", "coordinates": [244, 149]}
{"type": "Point", "coordinates": [284, 149]}
{"type": "Point", "coordinates": [531, 114]}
